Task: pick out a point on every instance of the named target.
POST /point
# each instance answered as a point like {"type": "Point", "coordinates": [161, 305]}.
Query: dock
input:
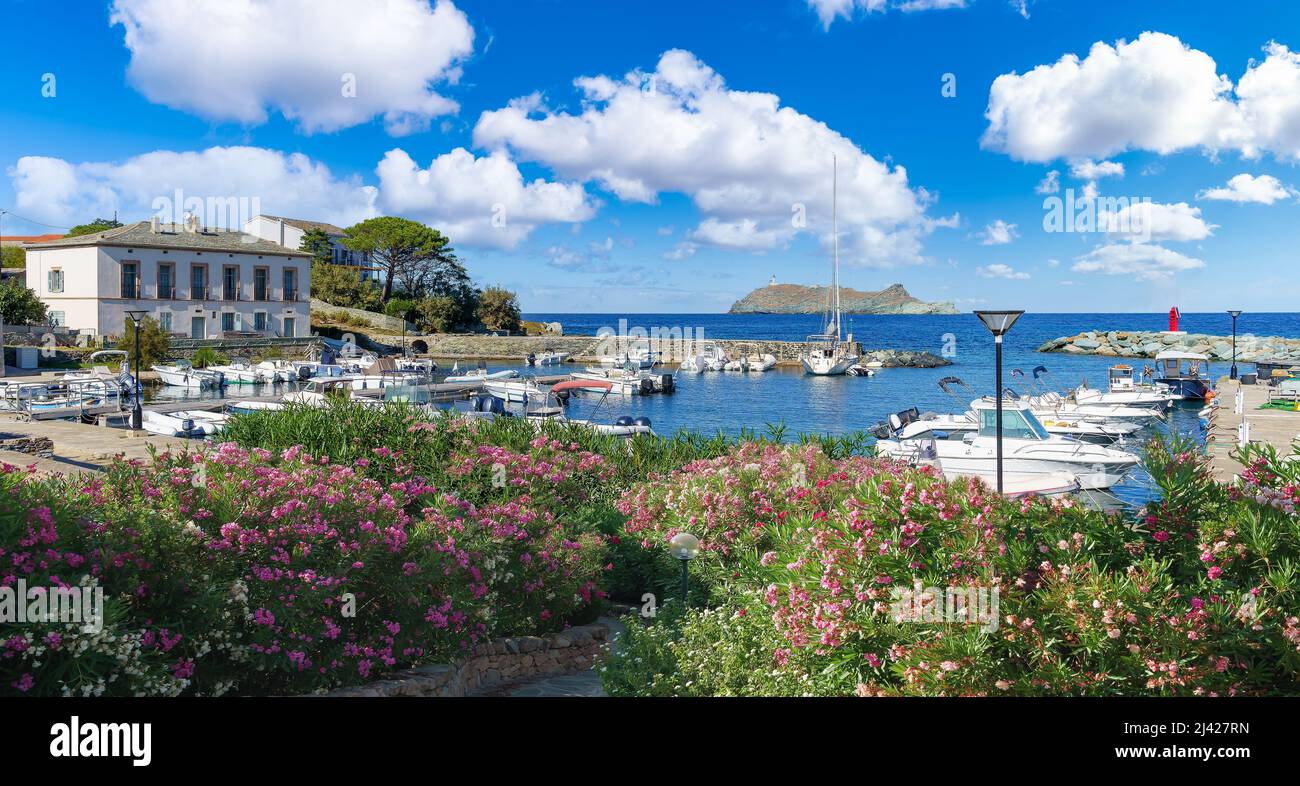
{"type": "Point", "coordinates": [82, 448]}
{"type": "Point", "coordinates": [1278, 428]}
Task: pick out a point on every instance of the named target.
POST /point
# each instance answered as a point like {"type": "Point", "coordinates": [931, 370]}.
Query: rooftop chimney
{"type": "Point", "coordinates": [153, 225]}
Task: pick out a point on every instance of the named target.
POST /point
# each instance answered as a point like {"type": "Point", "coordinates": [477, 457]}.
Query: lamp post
{"type": "Point", "coordinates": [685, 547]}
{"type": "Point", "coordinates": [998, 323]}
{"type": "Point", "coordinates": [1234, 314]}
{"type": "Point", "coordinates": [137, 414]}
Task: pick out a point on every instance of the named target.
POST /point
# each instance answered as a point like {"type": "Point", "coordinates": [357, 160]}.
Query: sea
{"type": "Point", "coordinates": [733, 402]}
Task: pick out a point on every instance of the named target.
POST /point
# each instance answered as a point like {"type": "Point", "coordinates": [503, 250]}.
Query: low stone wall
{"type": "Point", "coordinates": [380, 322]}
{"type": "Point", "coordinates": [1146, 344]}
{"type": "Point", "coordinates": [589, 349]}
{"type": "Point", "coordinates": [494, 664]}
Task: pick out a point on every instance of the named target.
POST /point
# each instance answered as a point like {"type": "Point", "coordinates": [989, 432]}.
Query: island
{"type": "Point", "coordinates": [797, 299]}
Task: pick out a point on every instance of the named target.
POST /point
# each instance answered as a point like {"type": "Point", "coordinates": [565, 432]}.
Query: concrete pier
{"type": "Point", "coordinates": [1275, 427]}
{"type": "Point", "coordinates": [82, 448]}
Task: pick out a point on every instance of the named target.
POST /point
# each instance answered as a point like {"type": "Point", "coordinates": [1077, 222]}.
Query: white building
{"type": "Point", "coordinates": [197, 282]}
{"type": "Point", "coordinates": [288, 232]}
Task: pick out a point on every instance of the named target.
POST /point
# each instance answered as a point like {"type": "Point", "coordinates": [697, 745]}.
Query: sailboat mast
{"type": "Point", "coordinates": [835, 239]}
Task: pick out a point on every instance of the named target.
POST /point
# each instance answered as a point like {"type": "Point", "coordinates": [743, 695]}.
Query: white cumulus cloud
{"type": "Point", "coordinates": [478, 200]}
{"type": "Point", "coordinates": [759, 172]}
{"type": "Point", "coordinates": [64, 193]}
{"type": "Point", "coordinates": [238, 60]}
{"type": "Point", "coordinates": [1263, 190]}
{"type": "Point", "coordinates": [1143, 261]}
{"type": "Point", "coordinates": [1088, 169]}
{"type": "Point", "coordinates": [1000, 270]}
{"type": "Point", "coordinates": [829, 10]}
{"type": "Point", "coordinates": [999, 233]}
{"type": "Point", "coordinates": [1154, 221]}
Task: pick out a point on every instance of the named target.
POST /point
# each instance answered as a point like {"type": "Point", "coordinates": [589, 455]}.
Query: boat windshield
{"type": "Point", "coordinates": [1016, 424]}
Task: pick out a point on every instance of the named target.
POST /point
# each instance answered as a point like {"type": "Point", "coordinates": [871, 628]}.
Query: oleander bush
{"type": "Point", "coordinates": [832, 577]}
{"type": "Point", "coordinates": [250, 572]}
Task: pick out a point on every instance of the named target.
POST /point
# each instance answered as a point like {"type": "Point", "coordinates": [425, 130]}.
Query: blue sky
{"type": "Point", "coordinates": [707, 170]}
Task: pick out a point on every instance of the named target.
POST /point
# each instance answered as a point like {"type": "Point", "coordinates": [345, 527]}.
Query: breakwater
{"type": "Point", "coordinates": [1147, 344]}
{"type": "Point", "coordinates": [589, 349]}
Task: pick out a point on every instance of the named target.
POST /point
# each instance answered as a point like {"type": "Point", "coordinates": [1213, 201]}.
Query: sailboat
{"type": "Point", "coordinates": [828, 354]}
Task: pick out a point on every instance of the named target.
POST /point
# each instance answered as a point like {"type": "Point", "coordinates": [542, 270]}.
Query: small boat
{"type": "Point", "coordinates": [168, 425]}
{"type": "Point", "coordinates": [629, 381]}
{"type": "Point", "coordinates": [692, 365]}
{"type": "Point", "coordinates": [827, 353]}
{"type": "Point", "coordinates": [204, 423]}
{"type": "Point", "coordinates": [640, 358]}
{"type": "Point", "coordinates": [246, 407]}
{"type": "Point", "coordinates": [859, 370]}
{"type": "Point", "coordinates": [1125, 388]}
{"type": "Point", "coordinates": [123, 381]}
{"type": "Point", "coordinates": [241, 372]}
{"type": "Point", "coordinates": [739, 364]}
{"type": "Point", "coordinates": [320, 392]}
{"type": "Point", "coordinates": [550, 411]}
{"type": "Point", "coordinates": [282, 371]}
{"type": "Point", "coordinates": [514, 391]}
{"type": "Point", "coordinates": [1183, 381]}
{"type": "Point", "coordinates": [547, 359]}
{"type": "Point", "coordinates": [482, 375]}
{"type": "Point", "coordinates": [758, 363]}
{"type": "Point", "coordinates": [711, 357]}
{"type": "Point", "coordinates": [1027, 447]}
{"type": "Point", "coordinates": [182, 374]}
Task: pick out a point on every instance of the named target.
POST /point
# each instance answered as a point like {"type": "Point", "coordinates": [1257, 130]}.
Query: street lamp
{"type": "Point", "coordinates": [998, 323]}
{"type": "Point", "coordinates": [1234, 315]}
{"type": "Point", "coordinates": [685, 547]}
{"type": "Point", "coordinates": [137, 414]}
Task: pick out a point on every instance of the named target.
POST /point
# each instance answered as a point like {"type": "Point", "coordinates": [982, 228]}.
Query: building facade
{"type": "Point", "coordinates": [288, 232]}
{"type": "Point", "coordinates": [196, 281]}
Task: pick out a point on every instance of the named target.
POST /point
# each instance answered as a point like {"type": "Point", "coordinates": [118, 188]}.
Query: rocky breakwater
{"type": "Point", "coordinates": [1147, 344]}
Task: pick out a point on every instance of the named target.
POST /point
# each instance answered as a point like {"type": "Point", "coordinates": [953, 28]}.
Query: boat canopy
{"type": "Point", "coordinates": [1175, 354]}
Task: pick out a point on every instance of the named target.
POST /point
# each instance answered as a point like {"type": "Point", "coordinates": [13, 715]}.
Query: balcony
{"type": "Point", "coordinates": [166, 291]}
{"type": "Point", "coordinates": [260, 295]}
{"type": "Point", "coordinates": [230, 293]}
{"type": "Point", "coordinates": [130, 291]}
{"type": "Point", "coordinates": [198, 293]}
{"type": "Point", "coordinates": [291, 295]}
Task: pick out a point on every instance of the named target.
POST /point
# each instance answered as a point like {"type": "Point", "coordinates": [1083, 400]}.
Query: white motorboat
{"type": "Point", "coordinates": [712, 357]}
{"type": "Point", "coordinates": [1068, 408]}
{"type": "Point", "coordinates": [692, 365]}
{"type": "Point", "coordinates": [122, 380]}
{"type": "Point", "coordinates": [739, 364]}
{"type": "Point", "coordinates": [241, 372]}
{"type": "Point", "coordinates": [943, 425]}
{"type": "Point", "coordinates": [482, 375]}
{"type": "Point", "coordinates": [168, 425]}
{"type": "Point", "coordinates": [183, 375]}
{"type": "Point", "coordinates": [1124, 388]}
{"type": "Point", "coordinates": [548, 358]}
{"type": "Point", "coordinates": [629, 381]}
{"type": "Point", "coordinates": [204, 423]}
{"type": "Point", "coordinates": [246, 407]}
{"type": "Point", "coordinates": [550, 411]}
{"type": "Point", "coordinates": [282, 371]}
{"type": "Point", "coordinates": [320, 392]}
{"type": "Point", "coordinates": [1027, 448]}
{"type": "Point", "coordinates": [514, 391]}
{"type": "Point", "coordinates": [828, 354]}
{"type": "Point", "coordinates": [859, 370]}
{"type": "Point", "coordinates": [758, 363]}
{"type": "Point", "coordinates": [640, 358]}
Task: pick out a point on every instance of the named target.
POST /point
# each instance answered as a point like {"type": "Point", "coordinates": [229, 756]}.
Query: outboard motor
{"type": "Point", "coordinates": [641, 421]}
{"type": "Point", "coordinates": [531, 359]}
{"type": "Point", "coordinates": [647, 387]}
{"type": "Point", "coordinates": [667, 383]}
{"type": "Point", "coordinates": [881, 431]}
{"type": "Point", "coordinates": [625, 420]}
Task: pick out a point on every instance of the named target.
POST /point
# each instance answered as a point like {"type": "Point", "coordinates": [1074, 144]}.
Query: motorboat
{"type": "Point", "coordinates": [1068, 407]}
{"type": "Point", "coordinates": [321, 392]}
{"type": "Point", "coordinates": [548, 358]}
{"type": "Point", "coordinates": [514, 391]}
{"type": "Point", "coordinates": [1126, 388]}
{"type": "Point", "coordinates": [1027, 448]}
{"type": "Point", "coordinates": [859, 370]}
{"type": "Point", "coordinates": [168, 425]}
{"type": "Point", "coordinates": [739, 364]}
{"type": "Point", "coordinates": [692, 365]}
{"type": "Point", "coordinates": [249, 407]}
{"type": "Point", "coordinates": [122, 380]}
{"type": "Point", "coordinates": [1181, 372]}
{"type": "Point", "coordinates": [629, 381]}
{"type": "Point", "coordinates": [640, 358]}
{"type": "Point", "coordinates": [182, 374]}
{"type": "Point", "coordinates": [551, 412]}
{"type": "Point", "coordinates": [828, 354]}
{"type": "Point", "coordinates": [711, 357]}
{"type": "Point", "coordinates": [282, 371]}
{"type": "Point", "coordinates": [241, 372]}
{"type": "Point", "coordinates": [204, 423]}
{"type": "Point", "coordinates": [759, 363]}
{"type": "Point", "coordinates": [482, 375]}
{"type": "Point", "coordinates": [943, 425]}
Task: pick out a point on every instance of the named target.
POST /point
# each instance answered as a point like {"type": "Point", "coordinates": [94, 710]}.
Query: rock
{"type": "Point", "coordinates": [1086, 343]}
{"type": "Point", "coordinates": [1169, 339]}
{"type": "Point", "coordinates": [1074, 349]}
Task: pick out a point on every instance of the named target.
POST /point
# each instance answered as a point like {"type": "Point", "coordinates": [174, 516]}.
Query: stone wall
{"type": "Point", "coordinates": [494, 664]}
{"type": "Point", "coordinates": [588, 349]}
{"type": "Point", "coordinates": [381, 322]}
{"type": "Point", "coordinates": [1146, 344]}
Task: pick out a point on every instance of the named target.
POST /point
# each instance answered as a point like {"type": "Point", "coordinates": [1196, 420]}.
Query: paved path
{"type": "Point", "coordinates": [81, 448]}
{"type": "Point", "coordinates": [586, 684]}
